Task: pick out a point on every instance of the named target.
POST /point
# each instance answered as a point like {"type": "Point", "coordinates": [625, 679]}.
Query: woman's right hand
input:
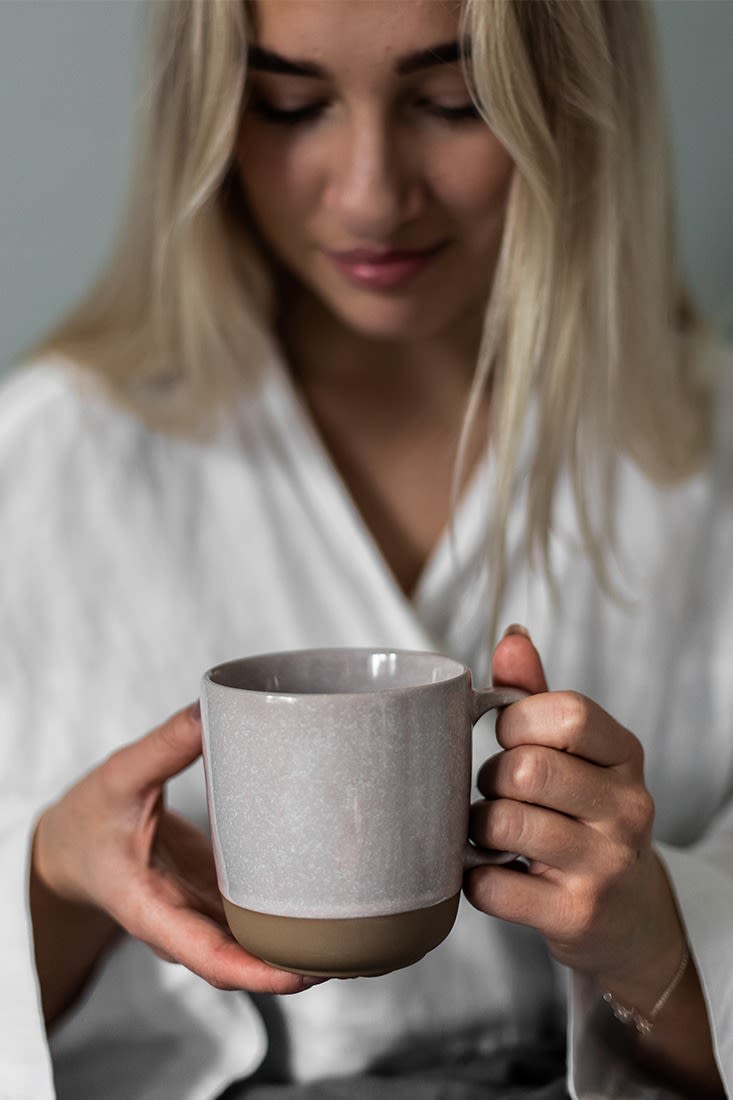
{"type": "Point", "coordinates": [110, 847]}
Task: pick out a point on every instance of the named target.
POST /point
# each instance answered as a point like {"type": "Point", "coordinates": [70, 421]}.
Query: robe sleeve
{"type": "Point", "coordinates": [600, 1062]}
{"type": "Point", "coordinates": [141, 1027]}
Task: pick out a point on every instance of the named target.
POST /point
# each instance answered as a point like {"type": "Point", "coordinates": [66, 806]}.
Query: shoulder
{"type": "Point", "coordinates": [34, 395]}
{"type": "Point", "coordinates": [81, 472]}
{"type": "Point", "coordinates": [41, 434]}
{"type": "Point", "coordinates": [78, 474]}
{"type": "Point", "coordinates": [57, 449]}
{"type": "Point", "coordinates": [59, 428]}
{"type": "Point", "coordinates": [51, 408]}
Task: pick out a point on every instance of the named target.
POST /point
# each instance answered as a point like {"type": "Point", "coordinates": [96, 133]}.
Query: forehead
{"type": "Point", "coordinates": [372, 31]}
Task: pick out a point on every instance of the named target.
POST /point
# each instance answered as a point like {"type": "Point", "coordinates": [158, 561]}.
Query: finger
{"type": "Point", "coordinates": [517, 663]}
{"type": "Point", "coordinates": [183, 855]}
{"type": "Point", "coordinates": [158, 756]}
{"type": "Point", "coordinates": [539, 835]}
{"type": "Point", "coordinates": [570, 722]}
{"type": "Point", "coordinates": [556, 780]}
{"type": "Point", "coordinates": [208, 950]}
{"type": "Point", "coordinates": [531, 900]}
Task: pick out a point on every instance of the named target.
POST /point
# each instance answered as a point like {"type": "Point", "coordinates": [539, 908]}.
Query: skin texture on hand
{"type": "Point", "coordinates": [568, 793]}
{"type": "Point", "coordinates": [109, 855]}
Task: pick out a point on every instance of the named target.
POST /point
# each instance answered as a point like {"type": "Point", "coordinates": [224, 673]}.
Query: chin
{"type": "Point", "coordinates": [396, 321]}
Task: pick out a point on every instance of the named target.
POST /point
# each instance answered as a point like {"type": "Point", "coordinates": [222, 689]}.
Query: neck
{"type": "Point", "coordinates": [390, 414]}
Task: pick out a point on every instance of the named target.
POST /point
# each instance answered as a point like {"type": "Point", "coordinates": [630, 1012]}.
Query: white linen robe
{"type": "Point", "coordinates": [131, 562]}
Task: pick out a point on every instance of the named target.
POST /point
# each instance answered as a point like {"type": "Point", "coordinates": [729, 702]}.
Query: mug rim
{"type": "Point", "coordinates": [461, 670]}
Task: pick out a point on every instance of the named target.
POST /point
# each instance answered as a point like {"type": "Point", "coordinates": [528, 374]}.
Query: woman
{"type": "Point", "coordinates": [392, 225]}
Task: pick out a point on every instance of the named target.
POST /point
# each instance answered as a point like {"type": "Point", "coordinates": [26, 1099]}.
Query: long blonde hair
{"type": "Point", "coordinates": [587, 317]}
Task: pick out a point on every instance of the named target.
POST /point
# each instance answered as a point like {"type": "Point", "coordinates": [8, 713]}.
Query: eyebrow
{"type": "Point", "coordinates": [270, 62]}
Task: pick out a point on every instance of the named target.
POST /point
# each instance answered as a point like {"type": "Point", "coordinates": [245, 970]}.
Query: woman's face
{"type": "Point", "coordinates": [365, 167]}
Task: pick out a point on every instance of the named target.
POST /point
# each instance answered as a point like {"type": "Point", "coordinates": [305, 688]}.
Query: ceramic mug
{"type": "Point", "coordinates": [338, 785]}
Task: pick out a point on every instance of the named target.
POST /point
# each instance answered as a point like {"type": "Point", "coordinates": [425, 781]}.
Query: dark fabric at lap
{"type": "Point", "coordinates": [532, 1074]}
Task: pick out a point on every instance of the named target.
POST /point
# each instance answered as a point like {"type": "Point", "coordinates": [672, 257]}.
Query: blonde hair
{"type": "Point", "coordinates": [180, 315]}
{"type": "Point", "coordinates": [587, 317]}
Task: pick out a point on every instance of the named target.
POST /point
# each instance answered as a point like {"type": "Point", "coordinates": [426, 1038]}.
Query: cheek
{"type": "Point", "coordinates": [476, 188]}
{"type": "Point", "coordinates": [278, 182]}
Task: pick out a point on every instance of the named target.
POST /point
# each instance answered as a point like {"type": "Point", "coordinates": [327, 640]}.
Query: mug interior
{"type": "Point", "coordinates": [336, 671]}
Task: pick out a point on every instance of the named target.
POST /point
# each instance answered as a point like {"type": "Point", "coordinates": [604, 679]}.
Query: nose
{"type": "Point", "coordinates": [374, 185]}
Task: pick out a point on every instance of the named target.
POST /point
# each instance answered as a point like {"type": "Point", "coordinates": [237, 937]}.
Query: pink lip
{"type": "Point", "coordinates": [383, 270]}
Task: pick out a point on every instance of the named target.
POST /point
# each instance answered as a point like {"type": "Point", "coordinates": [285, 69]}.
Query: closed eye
{"type": "Point", "coordinates": [463, 112]}
{"type": "Point", "coordinates": [286, 116]}
{"type": "Point", "coordinates": [291, 116]}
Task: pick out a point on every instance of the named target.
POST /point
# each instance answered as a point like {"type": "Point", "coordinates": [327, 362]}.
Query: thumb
{"type": "Point", "coordinates": [160, 754]}
{"type": "Point", "coordinates": [516, 662]}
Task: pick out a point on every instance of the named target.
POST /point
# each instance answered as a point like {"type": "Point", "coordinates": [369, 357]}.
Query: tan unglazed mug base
{"type": "Point", "coordinates": [342, 948]}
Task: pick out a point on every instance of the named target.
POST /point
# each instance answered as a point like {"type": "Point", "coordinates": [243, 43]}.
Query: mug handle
{"type": "Point", "coordinates": [481, 702]}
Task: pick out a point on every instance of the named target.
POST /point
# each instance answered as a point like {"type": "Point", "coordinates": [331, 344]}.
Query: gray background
{"type": "Point", "coordinates": [68, 93]}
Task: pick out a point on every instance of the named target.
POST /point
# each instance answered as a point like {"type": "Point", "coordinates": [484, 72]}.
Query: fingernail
{"type": "Point", "coordinates": [308, 982]}
{"type": "Point", "coordinates": [516, 628]}
{"type": "Point", "coordinates": [194, 711]}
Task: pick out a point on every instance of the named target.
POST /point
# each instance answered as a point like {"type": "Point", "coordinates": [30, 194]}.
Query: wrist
{"type": "Point", "coordinates": [654, 972]}
{"type": "Point", "coordinates": [653, 955]}
{"type": "Point", "coordinates": [69, 934]}
{"type": "Point", "coordinates": [630, 1014]}
{"type": "Point", "coordinates": [47, 866]}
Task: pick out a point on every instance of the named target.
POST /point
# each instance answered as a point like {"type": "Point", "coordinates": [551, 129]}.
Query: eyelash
{"type": "Point", "coordinates": [284, 117]}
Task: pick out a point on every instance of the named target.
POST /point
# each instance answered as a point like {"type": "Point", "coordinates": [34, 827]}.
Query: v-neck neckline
{"type": "Point", "coordinates": [457, 543]}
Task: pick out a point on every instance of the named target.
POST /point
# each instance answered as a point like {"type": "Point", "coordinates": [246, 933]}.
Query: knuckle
{"type": "Point", "coordinates": [639, 813]}
{"type": "Point", "coordinates": [620, 859]}
{"type": "Point", "coordinates": [573, 714]}
{"type": "Point", "coordinates": [218, 981]}
{"type": "Point", "coordinates": [530, 772]}
{"type": "Point", "coordinates": [506, 824]}
{"type": "Point", "coordinates": [636, 754]}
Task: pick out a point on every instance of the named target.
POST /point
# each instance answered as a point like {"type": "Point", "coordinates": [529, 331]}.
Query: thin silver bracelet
{"type": "Point", "coordinates": [632, 1016]}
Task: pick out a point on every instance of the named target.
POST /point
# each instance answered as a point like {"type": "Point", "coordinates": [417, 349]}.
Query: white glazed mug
{"type": "Point", "coordinates": [338, 785]}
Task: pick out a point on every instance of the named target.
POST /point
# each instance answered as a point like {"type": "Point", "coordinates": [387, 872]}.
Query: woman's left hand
{"type": "Point", "coordinates": [568, 794]}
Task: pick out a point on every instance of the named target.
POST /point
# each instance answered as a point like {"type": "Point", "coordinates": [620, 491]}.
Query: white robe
{"type": "Point", "coordinates": [131, 562]}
